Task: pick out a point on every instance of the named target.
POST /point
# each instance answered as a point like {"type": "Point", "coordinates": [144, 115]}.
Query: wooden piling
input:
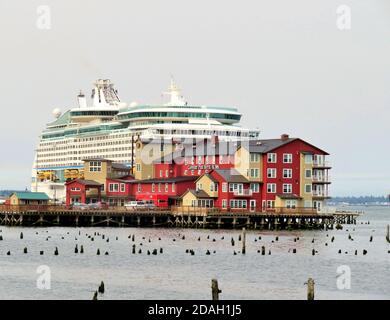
{"type": "Point", "coordinates": [215, 291]}
{"type": "Point", "coordinates": [243, 241]}
{"type": "Point", "coordinates": [310, 289]}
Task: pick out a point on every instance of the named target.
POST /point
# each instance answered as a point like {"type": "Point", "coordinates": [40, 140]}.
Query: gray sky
{"type": "Point", "coordinates": [285, 64]}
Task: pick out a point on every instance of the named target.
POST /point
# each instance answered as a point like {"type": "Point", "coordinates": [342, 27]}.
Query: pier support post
{"type": "Point", "coordinates": [138, 221]}
{"type": "Point", "coordinates": [92, 220]}
{"type": "Point", "coordinates": [154, 221]}
{"type": "Point", "coordinates": [243, 241]}
{"type": "Point", "coordinates": [215, 291]}
{"type": "Point", "coordinates": [108, 221]}
{"type": "Point", "coordinates": [234, 223]}
{"type": "Point", "coordinates": [219, 222]}
{"type": "Point", "coordinates": [310, 289]}
{"type": "Point", "coordinates": [77, 221]}
{"type": "Point", "coordinates": [204, 222]}
{"type": "Point", "coordinates": [123, 221]}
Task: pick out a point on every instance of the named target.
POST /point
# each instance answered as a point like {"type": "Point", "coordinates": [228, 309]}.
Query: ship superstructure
{"type": "Point", "coordinates": [109, 128]}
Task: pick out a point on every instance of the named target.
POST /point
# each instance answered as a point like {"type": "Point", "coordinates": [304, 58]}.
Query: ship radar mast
{"type": "Point", "coordinates": [104, 94]}
{"type": "Point", "coordinates": [175, 94]}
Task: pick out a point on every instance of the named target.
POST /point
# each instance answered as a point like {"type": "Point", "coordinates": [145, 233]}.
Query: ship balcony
{"type": "Point", "coordinates": [321, 164]}
{"type": "Point", "coordinates": [321, 179]}
{"type": "Point", "coordinates": [243, 193]}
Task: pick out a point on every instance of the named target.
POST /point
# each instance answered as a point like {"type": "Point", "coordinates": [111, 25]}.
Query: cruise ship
{"type": "Point", "coordinates": [108, 128]}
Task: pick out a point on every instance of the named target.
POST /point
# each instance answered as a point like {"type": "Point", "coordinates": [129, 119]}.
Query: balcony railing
{"type": "Point", "coordinates": [243, 193]}
{"type": "Point", "coordinates": [321, 178]}
{"type": "Point", "coordinates": [321, 164]}
{"type": "Point", "coordinates": [320, 193]}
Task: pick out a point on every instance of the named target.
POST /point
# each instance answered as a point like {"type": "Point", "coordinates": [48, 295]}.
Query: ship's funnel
{"type": "Point", "coordinates": [82, 100]}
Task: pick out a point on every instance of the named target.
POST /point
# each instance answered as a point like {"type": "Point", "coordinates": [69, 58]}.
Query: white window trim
{"type": "Point", "coordinates": [269, 155]}
{"type": "Point", "coordinates": [289, 157]}
{"type": "Point", "coordinates": [274, 187]}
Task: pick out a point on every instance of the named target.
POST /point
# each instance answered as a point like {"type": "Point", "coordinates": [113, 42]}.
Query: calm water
{"type": "Point", "coordinates": [178, 275]}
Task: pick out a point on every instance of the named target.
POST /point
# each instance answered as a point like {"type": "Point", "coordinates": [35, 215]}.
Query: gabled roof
{"type": "Point", "coordinates": [198, 193]}
{"type": "Point", "coordinates": [231, 175]}
{"type": "Point", "coordinates": [267, 145]}
{"type": "Point", "coordinates": [31, 195]}
{"type": "Point", "coordinates": [208, 176]}
{"type": "Point", "coordinates": [90, 183]}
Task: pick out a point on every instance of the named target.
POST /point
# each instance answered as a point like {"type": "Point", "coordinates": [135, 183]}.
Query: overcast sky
{"type": "Point", "coordinates": [285, 64]}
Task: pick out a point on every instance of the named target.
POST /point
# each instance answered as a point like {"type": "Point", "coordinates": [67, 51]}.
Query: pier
{"type": "Point", "coordinates": [183, 217]}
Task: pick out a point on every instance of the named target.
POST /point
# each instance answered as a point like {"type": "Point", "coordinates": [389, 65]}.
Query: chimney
{"type": "Point", "coordinates": [284, 137]}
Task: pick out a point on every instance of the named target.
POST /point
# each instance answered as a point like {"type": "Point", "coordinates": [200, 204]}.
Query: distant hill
{"type": "Point", "coordinates": [360, 200]}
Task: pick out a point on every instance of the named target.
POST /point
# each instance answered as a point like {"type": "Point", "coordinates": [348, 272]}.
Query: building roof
{"type": "Point", "coordinates": [208, 176]}
{"type": "Point", "coordinates": [90, 183]}
{"type": "Point", "coordinates": [31, 195]}
{"type": "Point", "coordinates": [267, 145]}
{"type": "Point", "coordinates": [231, 175]}
{"type": "Point", "coordinates": [120, 166]}
{"type": "Point", "coordinates": [161, 180]}
{"type": "Point", "coordinates": [288, 196]}
{"type": "Point", "coordinates": [199, 193]}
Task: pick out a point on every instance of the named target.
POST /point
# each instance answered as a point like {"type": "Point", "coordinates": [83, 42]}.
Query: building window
{"type": "Point", "coordinates": [205, 203]}
{"type": "Point", "coordinates": [139, 187]}
{"type": "Point", "coordinates": [200, 160]}
{"type": "Point", "coordinates": [287, 187]}
{"type": "Point", "coordinates": [271, 173]}
{"type": "Point", "coordinates": [153, 187]}
{"type": "Point", "coordinates": [254, 157]}
{"type": "Point", "coordinates": [238, 204]}
{"type": "Point", "coordinates": [166, 173]}
{"type": "Point", "coordinates": [122, 187]}
{"type": "Point", "coordinates": [254, 172]}
{"type": "Point", "coordinates": [235, 187]}
{"type": "Point", "coordinates": [254, 187]}
{"type": "Point", "coordinates": [271, 157]}
{"type": "Point", "coordinates": [95, 166]}
{"type": "Point", "coordinates": [161, 173]}
{"type": "Point", "coordinates": [287, 158]}
{"type": "Point", "coordinates": [291, 204]}
{"type": "Point", "coordinates": [224, 203]}
{"type": "Point", "coordinates": [173, 187]}
{"type": "Point", "coordinates": [271, 187]}
{"type": "Point", "coordinates": [166, 187]}
{"type": "Point", "coordinates": [224, 187]}
{"type": "Point", "coordinates": [159, 187]}
{"type": "Point", "coordinates": [308, 188]}
{"type": "Point", "coordinates": [270, 204]}
{"type": "Point", "coordinates": [138, 167]}
{"type": "Point", "coordinates": [113, 187]}
{"type": "Point", "coordinates": [75, 189]}
{"type": "Point", "coordinates": [308, 158]}
{"type": "Point", "coordinates": [199, 186]}
{"type": "Point", "coordinates": [287, 173]}
{"type": "Point", "coordinates": [308, 173]}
